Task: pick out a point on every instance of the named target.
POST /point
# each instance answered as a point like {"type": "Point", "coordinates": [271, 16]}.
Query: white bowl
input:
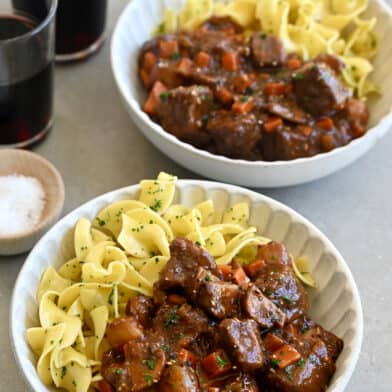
{"type": "Point", "coordinates": [134, 28]}
{"type": "Point", "coordinates": [335, 304]}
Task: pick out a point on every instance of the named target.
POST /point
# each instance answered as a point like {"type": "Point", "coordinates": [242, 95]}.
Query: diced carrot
{"type": "Point", "coordinates": [185, 66]}
{"type": "Point", "coordinates": [203, 59]}
{"type": "Point", "coordinates": [231, 61]}
{"type": "Point", "coordinates": [104, 386]}
{"type": "Point", "coordinates": [216, 364]}
{"type": "Point", "coordinates": [168, 48]}
{"type": "Point", "coordinates": [272, 124]}
{"type": "Point", "coordinates": [152, 102]}
{"type": "Point", "coordinates": [254, 267]}
{"type": "Point", "coordinates": [327, 142]}
{"type": "Point", "coordinates": [242, 82]}
{"type": "Point", "coordinates": [325, 123]}
{"type": "Point", "coordinates": [185, 357]}
{"type": "Point", "coordinates": [273, 342]}
{"type": "Point", "coordinates": [285, 356]}
{"type": "Point", "coordinates": [288, 88]}
{"type": "Point", "coordinates": [240, 277]}
{"type": "Point", "coordinates": [145, 77]}
{"type": "Point", "coordinates": [275, 88]}
{"type": "Point", "coordinates": [294, 63]}
{"type": "Point", "coordinates": [243, 107]}
{"type": "Point", "coordinates": [306, 130]}
{"type": "Point", "coordinates": [226, 271]}
{"type": "Point", "coordinates": [175, 299]}
{"type": "Point", "coordinates": [224, 95]}
{"type": "Point", "coordinates": [150, 59]}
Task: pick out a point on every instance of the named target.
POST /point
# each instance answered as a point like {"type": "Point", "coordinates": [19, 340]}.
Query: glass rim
{"type": "Point", "coordinates": [37, 29]}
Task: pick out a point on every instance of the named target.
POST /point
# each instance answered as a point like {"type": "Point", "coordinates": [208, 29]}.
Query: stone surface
{"type": "Point", "coordinates": [97, 149]}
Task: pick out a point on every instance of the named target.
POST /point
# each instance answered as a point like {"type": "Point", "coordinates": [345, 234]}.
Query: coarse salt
{"type": "Point", "coordinates": [22, 200]}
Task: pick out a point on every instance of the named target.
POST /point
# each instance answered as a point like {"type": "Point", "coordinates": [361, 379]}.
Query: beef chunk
{"type": "Point", "coordinates": [181, 112]}
{"type": "Point", "coordinates": [332, 61]}
{"type": "Point", "coordinates": [167, 73]}
{"type": "Point", "coordinates": [138, 355]}
{"type": "Point", "coordinates": [142, 308]}
{"type": "Point", "coordinates": [178, 378]}
{"type": "Point", "coordinates": [261, 309]}
{"type": "Point", "coordinates": [224, 24]}
{"type": "Point", "coordinates": [242, 341]}
{"type": "Point", "coordinates": [267, 50]}
{"type": "Point", "coordinates": [235, 136]}
{"type": "Point", "coordinates": [241, 382]}
{"type": "Point", "coordinates": [219, 299]}
{"type": "Point", "coordinates": [273, 253]}
{"type": "Point", "coordinates": [181, 270]}
{"type": "Point", "coordinates": [178, 325]}
{"type": "Point", "coordinates": [319, 350]}
{"type": "Point", "coordinates": [288, 111]}
{"type": "Point", "coordinates": [357, 113]}
{"type": "Point", "coordinates": [279, 283]}
{"type": "Point", "coordinates": [318, 90]}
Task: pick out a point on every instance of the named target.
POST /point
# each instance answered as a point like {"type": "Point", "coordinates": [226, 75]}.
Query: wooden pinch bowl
{"type": "Point", "coordinates": [29, 164]}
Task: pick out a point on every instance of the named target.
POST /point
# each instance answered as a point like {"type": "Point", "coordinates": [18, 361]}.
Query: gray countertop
{"type": "Point", "coordinates": [96, 148]}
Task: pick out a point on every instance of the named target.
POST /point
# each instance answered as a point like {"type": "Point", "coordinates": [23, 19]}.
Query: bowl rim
{"type": "Point", "coordinates": [375, 131]}
{"type": "Point", "coordinates": [58, 202]}
{"type": "Point", "coordinates": [254, 197]}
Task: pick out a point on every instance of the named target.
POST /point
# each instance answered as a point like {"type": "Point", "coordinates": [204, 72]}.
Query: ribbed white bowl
{"type": "Point", "coordinates": [335, 304]}
{"type": "Point", "coordinates": [134, 28]}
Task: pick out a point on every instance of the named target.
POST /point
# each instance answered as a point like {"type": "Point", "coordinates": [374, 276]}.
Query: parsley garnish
{"type": "Point", "coordinates": [263, 35]}
{"type": "Point", "coordinates": [157, 205]}
{"type": "Point", "coordinates": [172, 318]}
{"type": "Point", "coordinates": [288, 372]}
{"type": "Point", "coordinates": [221, 361]}
{"type": "Point", "coordinates": [150, 363]}
{"type": "Point", "coordinates": [275, 363]}
{"type": "Point", "coordinates": [268, 292]}
{"type": "Point", "coordinates": [110, 298]}
{"type": "Point", "coordinates": [287, 299]}
{"type": "Point", "coordinates": [100, 221]}
{"type": "Point", "coordinates": [63, 371]}
{"type": "Point", "coordinates": [245, 98]}
{"type": "Point", "coordinates": [300, 363]}
{"type": "Point", "coordinates": [175, 56]}
{"type": "Point", "coordinates": [148, 378]}
{"type": "Point", "coordinates": [117, 371]}
{"type": "Point", "coordinates": [208, 278]}
{"type": "Point", "coordinates": [164, 96]}
{"type": "Point", "coordinates": [299, 76]}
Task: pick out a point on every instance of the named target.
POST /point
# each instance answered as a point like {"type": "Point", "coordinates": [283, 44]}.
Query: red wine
{"type": "Point", "coordinates": [25, 105]}
{"type": "Point", "coordinates": [80, 23]}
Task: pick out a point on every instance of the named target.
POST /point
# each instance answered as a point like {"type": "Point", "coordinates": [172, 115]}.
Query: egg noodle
{"type": "Point", "coordinates": [306, 27]}
{"type": "Point", "coordinates": [118, 256]}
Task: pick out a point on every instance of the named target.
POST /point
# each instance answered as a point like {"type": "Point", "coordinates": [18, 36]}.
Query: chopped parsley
{"type": "Point", "coordinates": [221, 361]}
{"type": "Point", "coordinates": [208, 278]}
{"type": "Point", "coordinates": [63, 371]}
{"type": "Point", "coordinates": [165, 347]}
{"type": "Point", "coordinates": [287, 299]}
{"type": "Point", "coordinates": [100, 221]}
{"type": "Point", "coordinates": [117, 371]}
{"type": "Point", "coordinates": [288, 371]}
{"type": "Point", "coordinates": [164, 96]}
{"type": "Point", "coordinates": [148, 378]}
{"type": "Point", "coordinates": [275, 363]}
{"type": "Point", "coordinates": [268, 293]}
{"type": "Point", "coordinates": [172, 318]}
{"type": "Point", "coordinates": [157, 205]}
{"type": "Point", "coordinates": [244, 98]}
{"type": "Point", "coordinates": [110, 298]}
{"type": "Point", "coordinates": [299, 76]}
{"type": "Point", "coordinates": [150, 363]}
{"type": "Point", "coordinates": [300, 363]}
{"type": "Point", "coordinates": [175, 56]}
{"type": "Point", "coordinates": [263, 35]}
